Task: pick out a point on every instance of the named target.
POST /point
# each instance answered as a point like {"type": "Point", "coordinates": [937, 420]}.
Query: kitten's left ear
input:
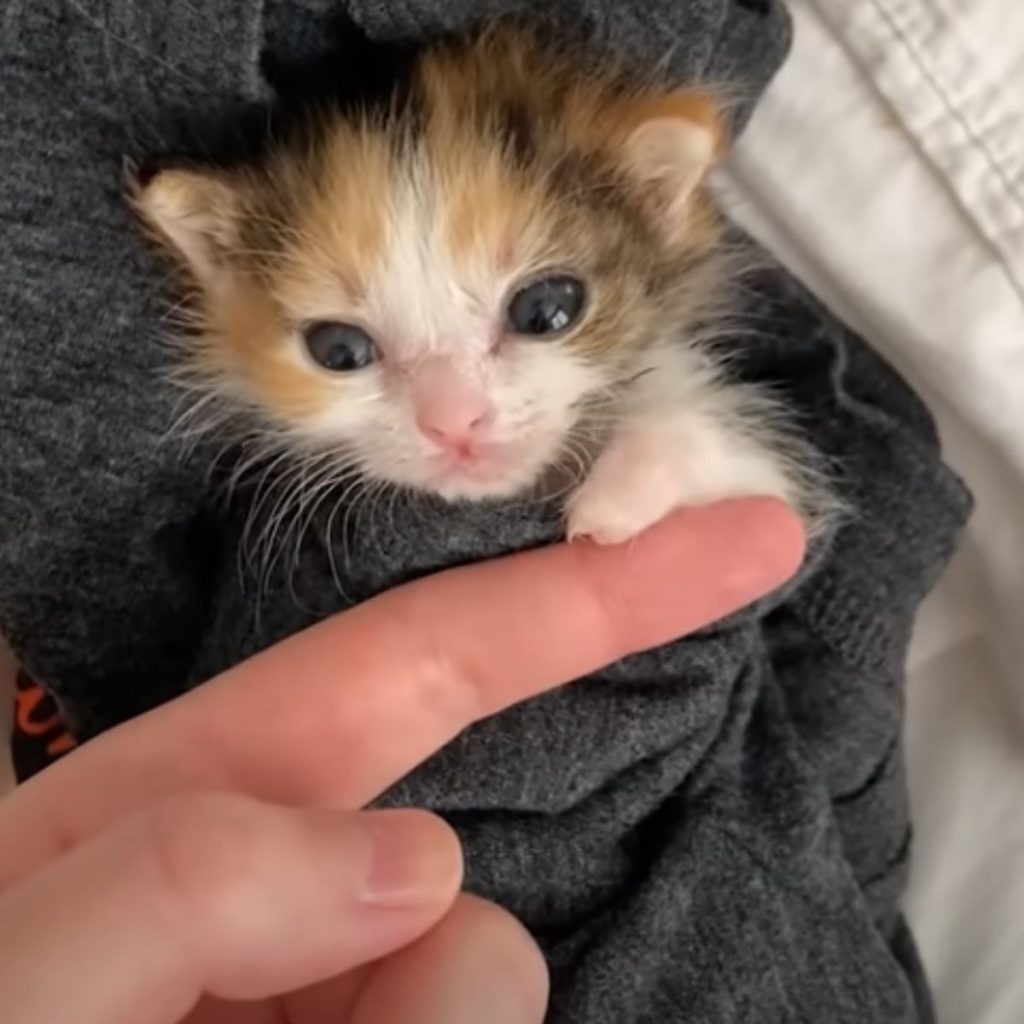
{"type": "Point", "coordinates": [668, 145]}
{"type": "Point", "coordinates": [195, 214]}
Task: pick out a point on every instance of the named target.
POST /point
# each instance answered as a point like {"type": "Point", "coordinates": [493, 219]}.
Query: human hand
{"type": "Point", "coordinates": [208, 862]}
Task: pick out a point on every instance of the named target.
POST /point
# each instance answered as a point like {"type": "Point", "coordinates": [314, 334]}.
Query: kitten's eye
{"type": "Point", "coordinates": [340, 347]}
{"type": "Point", "coordinates": [547, 306]}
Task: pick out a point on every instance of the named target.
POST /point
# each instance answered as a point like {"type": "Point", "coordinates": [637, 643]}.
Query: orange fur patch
{"type": "Point", "coordinates": [245, 343]}
{"type": "Point", "coordinates": [492, 217]}
{"type": "Point", "coordinates": [344, 213]}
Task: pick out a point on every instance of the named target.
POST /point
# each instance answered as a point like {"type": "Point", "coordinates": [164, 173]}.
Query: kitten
{"type": "Point", "coordinates": [505, 271]}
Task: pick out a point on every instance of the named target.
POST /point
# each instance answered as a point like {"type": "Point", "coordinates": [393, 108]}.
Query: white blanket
{"type": "Point", "coordinates": [886, 168]}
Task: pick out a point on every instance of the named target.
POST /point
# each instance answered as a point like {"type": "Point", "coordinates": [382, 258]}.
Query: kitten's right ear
{"type": "Point", "coordinates": [668, 145]}
{"type": "Point", "coordinates": [194, 213]}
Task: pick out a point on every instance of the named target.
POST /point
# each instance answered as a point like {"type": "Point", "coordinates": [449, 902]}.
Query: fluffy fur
{"type": "Point", "coordinates": [500, 161]}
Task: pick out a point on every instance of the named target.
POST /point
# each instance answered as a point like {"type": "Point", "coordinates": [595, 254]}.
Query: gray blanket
{"type": "Point", "coordinates": [712, 832]}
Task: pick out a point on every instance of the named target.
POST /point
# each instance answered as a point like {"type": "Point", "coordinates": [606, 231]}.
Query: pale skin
{"type": "Point", "coordinates": [209, 862]}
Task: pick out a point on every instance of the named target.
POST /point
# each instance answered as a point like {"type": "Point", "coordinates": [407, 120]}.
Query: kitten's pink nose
{"type": "Point", "coordinates": [452, 410]}
{"type": "Point", "coordinates": [457, 428]}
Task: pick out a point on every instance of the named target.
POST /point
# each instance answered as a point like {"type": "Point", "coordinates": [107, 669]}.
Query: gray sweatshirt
{"type": "Point", "coordinates": [712, 832]}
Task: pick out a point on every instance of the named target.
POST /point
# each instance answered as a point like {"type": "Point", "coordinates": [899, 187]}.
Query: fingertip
{"type": "Point", "coordinates": [744, 548]}
{"type": "Point", "coordinates": [762, 536]}
{"type": "Point", "coordinates": [479, 963]}
{"type": "Point", "coordinates": [774, 535]}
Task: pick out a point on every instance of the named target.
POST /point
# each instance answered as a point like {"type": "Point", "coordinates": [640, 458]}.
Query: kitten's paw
{"type": "Point", "coordinates": [622, 497]}
{"type": "Point", "coordinates": [641, 479]}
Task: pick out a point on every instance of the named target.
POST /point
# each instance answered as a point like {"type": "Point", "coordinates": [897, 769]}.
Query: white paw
{"type": "Point", "coordinates": [640, 479]}
{"type": "Point", "coordinates": [626, 492]}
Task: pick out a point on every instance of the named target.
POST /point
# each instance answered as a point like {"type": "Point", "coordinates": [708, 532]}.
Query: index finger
{"type": "Point", "coordinates": [336, 714]}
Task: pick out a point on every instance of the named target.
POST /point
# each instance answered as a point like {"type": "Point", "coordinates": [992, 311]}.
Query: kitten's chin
{"type": "Point", "coordinates": [492, 478]}
{"type": "Point", "coordinates": [481, 484]}
{"type": "Point", "coordinates": [501, 471]}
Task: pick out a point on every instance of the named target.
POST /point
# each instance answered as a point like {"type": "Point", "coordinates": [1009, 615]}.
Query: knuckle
{"type": "Point", "coordinates": [448, 688]}
{"type": "Point", "coordinates": [203, 849]}
{"type": "Point", "coordinates": [447, 675]}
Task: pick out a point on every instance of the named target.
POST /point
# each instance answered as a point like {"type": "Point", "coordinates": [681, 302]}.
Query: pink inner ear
{"type": "Point", "coordinates": [450, 410]}
{"type": "Point", "coordinates": [670, 156]}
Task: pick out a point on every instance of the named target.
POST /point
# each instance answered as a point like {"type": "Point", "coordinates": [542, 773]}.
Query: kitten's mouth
{"type": "Point", "coordinates": [477, 466]}
{"type": "Point", "coordinates": [492, 472]}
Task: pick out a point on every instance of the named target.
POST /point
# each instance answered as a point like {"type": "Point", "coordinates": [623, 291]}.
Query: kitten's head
{"type": "Point", "coordinates": [444, 290]}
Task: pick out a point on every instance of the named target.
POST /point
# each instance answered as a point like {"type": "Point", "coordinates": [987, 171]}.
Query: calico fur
{"type": "Point", "coordinates": [499, 160]}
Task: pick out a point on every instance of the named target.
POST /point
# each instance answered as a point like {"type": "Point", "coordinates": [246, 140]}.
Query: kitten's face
{"type": "Point", "coordinates": [443, 302]}
{"type": "Point", "coordinates": [437, 322]}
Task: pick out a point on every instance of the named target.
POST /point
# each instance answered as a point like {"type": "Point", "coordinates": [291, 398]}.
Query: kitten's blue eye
{"type": "Point", "coordinates": [340, 347]}
{"type": "Point", "coordinates": [547, 306]}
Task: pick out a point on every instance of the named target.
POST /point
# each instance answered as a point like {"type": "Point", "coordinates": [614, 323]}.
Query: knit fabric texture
{"type": "Point", "coordinates": [715, 831]}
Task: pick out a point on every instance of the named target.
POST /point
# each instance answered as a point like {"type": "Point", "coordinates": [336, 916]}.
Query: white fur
{"type": "Point", "coordinates": [684, 439]}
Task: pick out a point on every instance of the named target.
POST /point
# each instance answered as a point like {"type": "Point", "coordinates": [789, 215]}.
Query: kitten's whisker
{"type": "Point", "coordinates": [328, 482]}
{"type": "Point", "coordinates": [347, 499]}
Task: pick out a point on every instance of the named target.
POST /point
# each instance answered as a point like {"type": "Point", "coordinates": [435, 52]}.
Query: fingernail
{"type": "Point", "coordinates": [416, 859]}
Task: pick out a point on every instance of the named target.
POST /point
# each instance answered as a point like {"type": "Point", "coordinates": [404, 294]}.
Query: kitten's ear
{"type": "Point", "coordinates": [669, 145]}
{"type": "Point", "coordinates": [193, 213]}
